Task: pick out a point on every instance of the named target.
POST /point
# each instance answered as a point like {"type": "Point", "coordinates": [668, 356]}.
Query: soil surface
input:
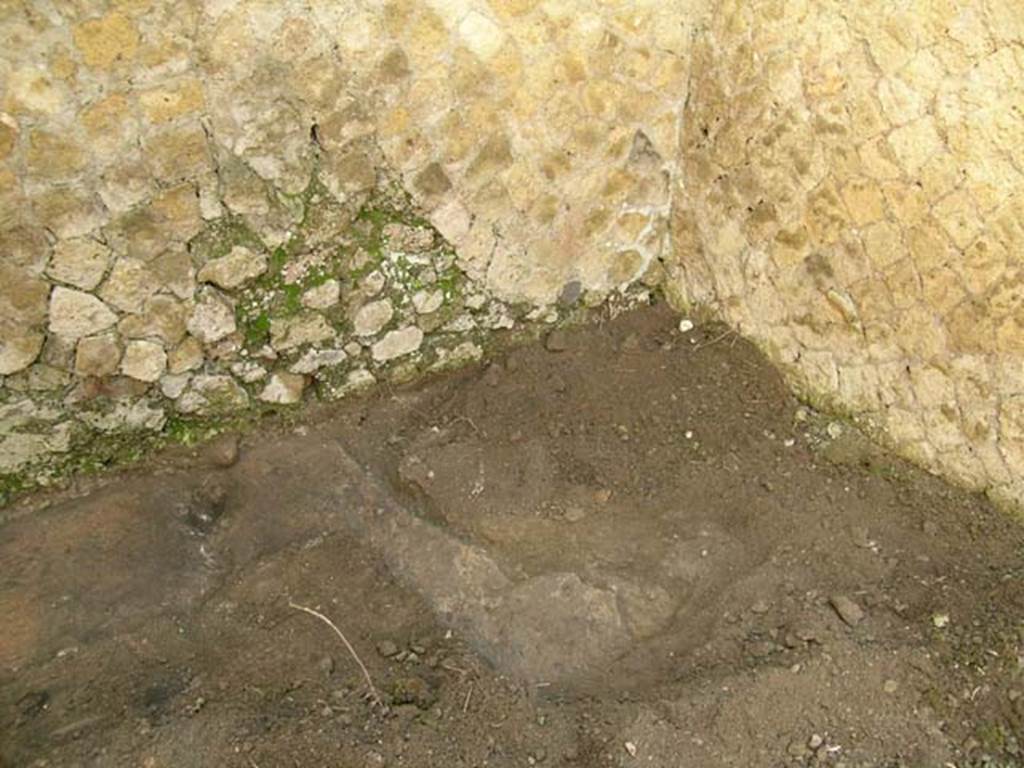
{"type": "Point", "coordinates": [622, 546]}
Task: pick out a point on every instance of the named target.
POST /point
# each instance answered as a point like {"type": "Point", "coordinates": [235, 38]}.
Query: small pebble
{"type": "Point", "coordinates": [848, 611]}
{"type": "Point", "coordinates": [685, 325]}
{"type": "Point", "coordinates": [574, 514]}
{"type": "Point", "coordinates": [941, 620]}
{"type": "Point", "coordinates": [556, 341]}
{"type": "Point", "coordinates": [326, 666]}
{"type": "Point", "coordinates": [815, 741]}
{"type": "Point", "coordinates": [796, 749]}
{"type": "Point", "coordinates": [222, 451]}
{"type": "Point", "coordinates": [891, 686]}
{"type": "Point", "coordinates": [630, 748]}
{"type": "Point", "coordinates": [387, 649]}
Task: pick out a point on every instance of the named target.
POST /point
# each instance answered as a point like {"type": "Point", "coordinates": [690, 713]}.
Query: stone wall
{"type": "Point", "coordinates": [853, 198]}
{"type": "Point", "coordinates": [207, 205]}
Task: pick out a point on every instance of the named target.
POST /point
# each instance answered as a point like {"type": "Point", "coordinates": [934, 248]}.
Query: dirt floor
{"type": "Point", "coordinates": [625, 546]}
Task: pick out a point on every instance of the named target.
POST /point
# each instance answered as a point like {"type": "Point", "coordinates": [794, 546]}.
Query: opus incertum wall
{"type": "Point", "coordinates": [852, 199]}
{"type": "Point", "coordinates": [206, 206]}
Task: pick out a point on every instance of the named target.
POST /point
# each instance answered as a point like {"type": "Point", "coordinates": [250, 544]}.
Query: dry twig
{"type": "Point", "coordinates": [351, 650]}
{"type": "Point", "coordinates": [715, 340]}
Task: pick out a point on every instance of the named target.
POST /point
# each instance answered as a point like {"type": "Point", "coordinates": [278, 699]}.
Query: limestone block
{"type": "Point", "coordinates": [74, 314]}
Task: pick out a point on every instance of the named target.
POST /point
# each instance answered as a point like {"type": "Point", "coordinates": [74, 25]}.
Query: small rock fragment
{"type": "Point", "coordinates": [941, 620]}
{"type": "Point", "coordinates": [315, 359]}
{"type": "Point", "coordinates": [574, 514]}
{"type": "Point", "coordinates": [173, 385]}
{"type": "Point", "coordinates": [129, 284]}
{"type": "Point", "coordinates": [851, 613]}
{"type": "Point", "coordinates": [630, 748]}
{"type": "Point", "coordinates": [222, 451]}
{"type": "Point", "coordinates": [398, 343]}
{"type": "Point", "coordinates": [187, 356]}
{"type": "Point", "coordinates": [235, 269]}
{"type": "Point", "coordinates": [74, 314]}
{"type": "Point", "coordinates": [284, 388]}
{"type": "Point", "coordinates": [80, 262]}
{"type": "Point", "coordinates": [144, 361]}
{"type": "Point", "coordinates": [426, 302]}
{"type": "Point", "coordinates": [213, 393]}
{"type": "Point", "coordinates": [796, 749]}
{"type": "Point", "coordinates": [685, 325]}
{"type": "Point", "coordinates": [387, 649]}
{"type": "Point", "coordinates": [371, 318]}
{"type": "Point", "coordinates": [323, 296]}
{"type": "Point", "coordinates": [97, 355]}
{"type": "Point", "coordinates": [476, 301]}
{"type": "Point", "coordinates": [212, 319]}
{"type": "Point", "coordinates": [291, 332]}
{"type": "Point", "coordinates": [571, 293]}
{"type": "Point", "coordinates": [556, 341]}
{"type": "Point", "coordinates": [413, 690]}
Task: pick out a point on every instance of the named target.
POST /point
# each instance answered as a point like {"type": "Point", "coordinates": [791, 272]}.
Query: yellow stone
{"type": "Point", "coordinates": [106, 41]}
{"type": "Point", "coordinates": [941, 290]}
{"type": "Point", "coordinates": [825, 217]}
{"type": "Point", "coordinates": [959, 217]}
{"type": "Point", "coordinates": [178, 154]}
{"type": "Point", "coordinates": [983, 263]}
{"type": "Point", "coordinates": [929, 248]}
{"type": "Point", "coordinates": [626, 267]}
{"type": "Point", "coordinates": [161, 105]}
{"type": "Point", "coordinates": [68, 212]}
{"type": "Point", "coordinates": [631, 225]}
{"type": "Point", "coordinates": [545, 209]}
{"type": "Point", "coordinates": [426, 40]}
{"type": "Point", "coordinates": [907, 201]}
{"type": "Point", "coordinates": [916, 143]}
{"type": "Point", "coordinates": [904, 284]}
{"type": "Point", "coordinates": [62, 65]}
{"type": "Point", "coordinates": [54, 156]}
{"type": "Point", "coordinates": [514, 8]}
{"type": "Point", "coordinates": [879, 160]}
{"type": "Point", "coordinates": [864, 201]}
{"type": "Point", "coordinates": [900, 102]}
{"type": "Point", "coordinates": [107, 116]}
{"type": "Point", "coordinates": [481, 35]}
{"type": "Point", "coordinates": [940, 176]}
{"type": "Point", "coordinates": [31, 90]}
{"type": "Point", "coordinates": [884, 244]}
{"type": "Point", "coordinates": [228, 44]}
